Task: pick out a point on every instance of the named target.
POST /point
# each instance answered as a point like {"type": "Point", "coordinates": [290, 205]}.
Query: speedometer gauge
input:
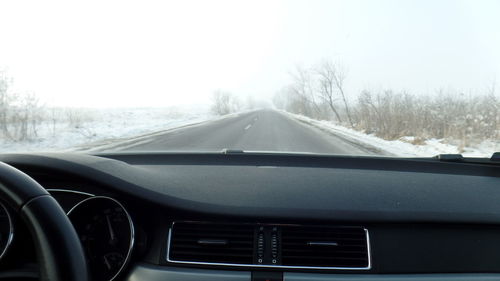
{"type": "Point", "coordinates": [107, 235]}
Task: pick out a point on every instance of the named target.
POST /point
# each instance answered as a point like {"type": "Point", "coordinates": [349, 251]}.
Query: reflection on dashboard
{"type": "Point", "coordinates": [6, 230]}
{"type": "Point", "coordinates": [68, 198]}
{"type": "Point", "coordinates": [107, 235]}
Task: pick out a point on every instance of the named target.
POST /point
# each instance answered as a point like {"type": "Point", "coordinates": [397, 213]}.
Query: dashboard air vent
{"type": "Point", "coordinates": [327, 247]}
{"type": "Point", "coordinates": [211, 243]}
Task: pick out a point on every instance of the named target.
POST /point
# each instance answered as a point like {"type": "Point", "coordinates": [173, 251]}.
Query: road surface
{"type": "Point", "coordinates": [262, 130]}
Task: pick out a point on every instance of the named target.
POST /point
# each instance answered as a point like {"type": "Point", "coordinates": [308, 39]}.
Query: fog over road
{"type": "Point", "coordinates": [261, 130]}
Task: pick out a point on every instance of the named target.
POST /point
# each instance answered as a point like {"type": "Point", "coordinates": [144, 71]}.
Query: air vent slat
{"type": "Point", "coordinates": [204, 236]}
{"type": "Point", "coordinates": [220, 250]}
{"type": "Point", "coordinates": [291, 251]}
{"type": "Point", "coordinates": [233, 243]}
{"type": "Point", "coordinates": [209, 254]}
{"type": "Point", "coordinates": [285, 246]}
{"type": "Point", "coordinates": [360, 238]}
{"type": "Point", "coordinates": [215, 233]}
{"type": "Point", "coordinates": [340, 246]}
{"type": "Point", "coordinates": [324, 247]}
{"type": "Point", "coordinates": [301, 257]}
{"type": "Point", "coordinates": [190, 246]}
{"type": "Point", "coordinates": [236, 246]}
{"type": "Point", "coordinates": [206, 227]}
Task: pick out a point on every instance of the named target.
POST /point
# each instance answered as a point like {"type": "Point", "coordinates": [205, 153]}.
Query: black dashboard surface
{"type": "Point", "coordinates": [292, 187]}
{"type": "Point", "coordinates": [424, 216]}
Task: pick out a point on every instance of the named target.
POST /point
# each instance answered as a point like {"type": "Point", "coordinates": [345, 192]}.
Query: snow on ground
{"type": "Point", "coordinates": [402, 147]}
{"type": "Point", "coordinates": [102, 126]}
{"type": "Point", "coordinates": [107, 127]}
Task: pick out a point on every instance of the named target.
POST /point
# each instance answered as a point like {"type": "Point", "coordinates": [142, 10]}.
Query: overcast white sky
{"type": "Point", "coordinates": [156, 53]}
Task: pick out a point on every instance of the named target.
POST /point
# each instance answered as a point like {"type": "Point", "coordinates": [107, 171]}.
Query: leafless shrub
{"type": "Point", "coordinates": [457, 117]}
{"type": "Point", "coordinates": [466, 118]}
{"type": "Point", "coordinates": [224, 103]}
{"type": "Point", "coordinates": [23, 115]}
{"type": "Point", "coordinates": [20, 114]}
{"type": "Point", "coordinates": [5, 103]}
{"type": "Point", "coordinates": [77, 117]}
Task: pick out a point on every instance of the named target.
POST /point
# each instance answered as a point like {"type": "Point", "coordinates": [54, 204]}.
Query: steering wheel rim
{"type": "Point", "coordinates": [60, 254]}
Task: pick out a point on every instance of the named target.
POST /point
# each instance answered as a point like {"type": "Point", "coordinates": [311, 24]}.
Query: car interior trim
{"type": "Point", "coordinates": [11, 232]}
{"type": "Point", "coordinates": [70, 191]}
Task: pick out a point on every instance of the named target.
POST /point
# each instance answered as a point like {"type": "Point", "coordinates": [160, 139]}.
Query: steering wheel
{"type": "Point", "coordinates": [60, 254]}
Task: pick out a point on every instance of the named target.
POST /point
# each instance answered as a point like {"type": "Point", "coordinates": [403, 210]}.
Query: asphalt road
{"type": "Point", "coordinates": [262, 130]}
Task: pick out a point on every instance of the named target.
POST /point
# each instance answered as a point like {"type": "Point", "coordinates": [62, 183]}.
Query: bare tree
{"type": "Point", "coordinates": [5, 101]}
{"type": "Point", "coordinates": [302, 87]}
{"type": "Point", "coordinates": [326, 89]}
{"type": "Point", "coordinates": [224, 103]}
{"type": "Point", "coordinates": [33, 109]}
{"type": "Point", "coordinates": [461, 119]}
{"type": "Point", "coordinates": [53, 119]}
{"type": "Point", "coordinates": [331, 84]}
{"type": "Point", "coordinates": [280, 99]}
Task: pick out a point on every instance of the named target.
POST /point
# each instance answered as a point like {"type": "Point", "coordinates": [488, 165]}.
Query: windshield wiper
{"type": "Point", "coordinates": [494, 159]}
{"type": "Point", "coordinates": [232, 151]}
{"type": "Point", "coordinates": [495, 156]}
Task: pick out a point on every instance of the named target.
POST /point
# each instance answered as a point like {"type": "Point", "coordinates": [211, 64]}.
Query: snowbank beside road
{"type": "Point", "coordinates": [106, 129]}
{"type": "Point", "coordinates": [99, 126]}
{"type": "Point", "coordinates": [404, 146]}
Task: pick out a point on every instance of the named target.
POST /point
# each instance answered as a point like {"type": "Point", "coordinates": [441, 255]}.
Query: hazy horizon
{"type": "Point", "coordinates": [155, 53]}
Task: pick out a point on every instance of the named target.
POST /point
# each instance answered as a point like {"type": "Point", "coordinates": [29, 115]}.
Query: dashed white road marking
{"type": "Point", "coordinates": [248, 126]}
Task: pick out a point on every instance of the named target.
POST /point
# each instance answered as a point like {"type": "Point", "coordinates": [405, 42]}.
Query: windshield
{"type": "Point", "coordinates": [386, 78]}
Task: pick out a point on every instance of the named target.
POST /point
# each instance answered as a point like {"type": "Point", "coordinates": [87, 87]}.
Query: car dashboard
{"type": "Point", "coordinates": [263, 216]}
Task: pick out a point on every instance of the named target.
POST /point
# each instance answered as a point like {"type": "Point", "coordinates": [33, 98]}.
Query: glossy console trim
{"type": "Point", "coordinates": [257, 266]}
{"type": "Point", "coordinates": [50, 190]}
{"type": "Point", "coordinates": [293, 276]}
{"type": "Point", "coordinates": [161, 273]}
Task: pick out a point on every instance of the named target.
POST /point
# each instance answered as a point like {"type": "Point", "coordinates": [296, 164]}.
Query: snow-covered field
{"type": "Point", "coordinates": [91, 129]}
{"type": "Point", "coordinates": [404, 146]}
{"type": "Point", "coordinates": [97, 127]}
